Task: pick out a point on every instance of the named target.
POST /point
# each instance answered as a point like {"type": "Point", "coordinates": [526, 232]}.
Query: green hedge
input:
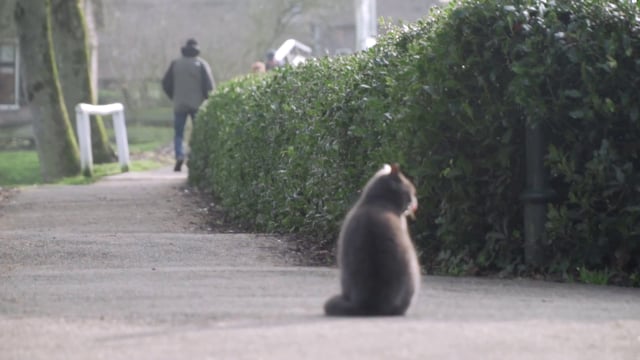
{"type": "Point", "coordinates": [449, 98]}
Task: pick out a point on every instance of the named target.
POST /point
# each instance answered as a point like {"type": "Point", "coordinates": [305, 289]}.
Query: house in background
{"type": "Point", "coordinates": [135, 40]}
{"type": "Point", "coordinates": [139, 38]}
{"type": "Point", "coordinates": [10, 95]}
{"type": "Point", "coordinates": [14, 107]}
{"type": "Point", "coordinates": [9, 70]}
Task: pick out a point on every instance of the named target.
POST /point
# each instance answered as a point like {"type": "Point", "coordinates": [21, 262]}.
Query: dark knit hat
{"type": "Point", "coordinates": [192, 43]}
{"type": "Point", "coordinates": [191, 48]}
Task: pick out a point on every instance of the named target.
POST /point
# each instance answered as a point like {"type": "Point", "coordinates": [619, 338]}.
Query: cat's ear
{"type": "Point", "coordinates": [395, 168]}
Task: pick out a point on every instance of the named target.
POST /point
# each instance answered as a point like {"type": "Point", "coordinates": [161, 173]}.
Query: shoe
{"type": "Point", "coordinates": [178, 166]}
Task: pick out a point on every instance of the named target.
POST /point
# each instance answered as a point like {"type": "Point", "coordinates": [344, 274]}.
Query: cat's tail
{"type": "Point", "coordinates": [339, 306]}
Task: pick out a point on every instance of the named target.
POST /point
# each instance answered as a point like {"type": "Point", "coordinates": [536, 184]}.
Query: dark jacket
{"type": "Point", "coordinates": [188, 81]}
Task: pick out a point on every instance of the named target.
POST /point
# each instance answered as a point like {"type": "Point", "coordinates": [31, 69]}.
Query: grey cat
{"type": "Point", "coordinates": [379, 270]}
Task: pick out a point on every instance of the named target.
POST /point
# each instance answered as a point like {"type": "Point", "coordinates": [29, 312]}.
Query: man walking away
{"type": "Point", "coordinates": [187, 82]}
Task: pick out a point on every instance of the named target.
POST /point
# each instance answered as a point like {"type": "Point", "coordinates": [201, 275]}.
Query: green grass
{"type": "Point", "coordinates": [18, 168]}
{"type": "Point", "coordinates": [594, 277]}
{"type": "Point", "coordinates": [102, 170]}
{"type": "Point", "coordinates": [21, 167]}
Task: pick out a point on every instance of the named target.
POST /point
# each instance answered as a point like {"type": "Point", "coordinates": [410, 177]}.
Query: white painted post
{"type": "Point", "coordinates": [84, 141]}
{"type": "Point", "coordinates": [121, 140]}
{"type": "Point", "coordinates": [116, 110]}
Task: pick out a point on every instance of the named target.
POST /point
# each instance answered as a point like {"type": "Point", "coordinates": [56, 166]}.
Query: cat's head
{"type": "Point", "coordinates": [391, 186]}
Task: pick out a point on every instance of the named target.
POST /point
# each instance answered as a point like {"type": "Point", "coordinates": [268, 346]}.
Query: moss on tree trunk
{"type": "Point", "coordinates": [73, 63]}
{"type": "Point", "coordinates": [55, 143]}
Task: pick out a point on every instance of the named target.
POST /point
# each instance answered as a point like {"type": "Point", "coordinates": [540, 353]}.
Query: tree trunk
{"type": "Point", "coordinates": [55, 143]}
{"type": "Point", "coordinates": [72, 58]}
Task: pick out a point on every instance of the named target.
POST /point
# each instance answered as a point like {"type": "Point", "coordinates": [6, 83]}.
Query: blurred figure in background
{"type": "Point", "coordinates": [271, 62]}
{"type": "Point", "coordinates": [187, 82]}
{"type": "Point", "coordinates": [258, 67]}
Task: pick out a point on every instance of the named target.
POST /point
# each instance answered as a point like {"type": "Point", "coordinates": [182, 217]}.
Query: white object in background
{"type": "Point", "coordinates": [290, 50]}
{"type": "Point", "coordinates": [366, 24]}
{"type": "Point", "coordinates": [116, 110]}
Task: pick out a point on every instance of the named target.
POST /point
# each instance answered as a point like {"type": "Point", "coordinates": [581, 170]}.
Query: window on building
{"type": "Point", "coordinates": [9, 70]}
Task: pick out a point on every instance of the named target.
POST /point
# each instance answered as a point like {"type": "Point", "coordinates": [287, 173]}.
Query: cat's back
{"type": "Point", "coordinates": [370, 221]}
{"type": "Point", "coordinates": [376, 236]}
{"type": "Point", "coordinates": [379, 269]}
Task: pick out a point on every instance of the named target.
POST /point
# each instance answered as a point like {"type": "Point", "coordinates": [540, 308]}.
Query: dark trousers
{"type": "Point", "coordinates": [179, 121]}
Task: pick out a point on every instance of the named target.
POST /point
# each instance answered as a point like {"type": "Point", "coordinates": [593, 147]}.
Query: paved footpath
{"type": "Point", "coordinates": [122, 269]}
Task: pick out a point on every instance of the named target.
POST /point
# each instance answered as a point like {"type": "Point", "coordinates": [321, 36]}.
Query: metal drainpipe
{"type": "Point", "coordinates": [536, 196]}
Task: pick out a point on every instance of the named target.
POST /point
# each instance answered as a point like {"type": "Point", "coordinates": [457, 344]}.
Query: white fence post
{"type": "Point", "coordinates": [116, 110]}
{"type": "Point", "coordinates": [121, 140]}
{"type": "Point", "coordinates": [84, 141]}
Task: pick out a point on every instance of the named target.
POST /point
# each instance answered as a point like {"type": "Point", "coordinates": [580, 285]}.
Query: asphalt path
{"type": "Point", "coordinates": [127, 269]}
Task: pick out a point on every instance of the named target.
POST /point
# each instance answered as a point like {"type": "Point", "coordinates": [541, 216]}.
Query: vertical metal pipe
{"type": "Point", "coordinates": [535, 196]}
{"type": "Point", "coordinates": [366, 23]}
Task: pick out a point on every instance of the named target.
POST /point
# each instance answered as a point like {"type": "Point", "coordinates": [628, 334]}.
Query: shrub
{"type": "Point", "coordinates": [449, 97]}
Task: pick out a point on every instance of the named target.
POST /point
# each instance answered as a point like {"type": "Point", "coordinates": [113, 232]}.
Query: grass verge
{"type": "Point", "coordinates": [21, 167]}
{"type": "Point", "coordinates": [102, 170]}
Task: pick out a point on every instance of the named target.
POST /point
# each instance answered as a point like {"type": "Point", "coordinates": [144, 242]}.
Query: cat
{"type": "Point", "coordinates": [379, 269]}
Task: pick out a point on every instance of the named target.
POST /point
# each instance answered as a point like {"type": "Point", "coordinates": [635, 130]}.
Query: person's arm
{"type": "Point", "coordinates": [208, 83]}
{"type": "Point", "coordinates": [167, 82]}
